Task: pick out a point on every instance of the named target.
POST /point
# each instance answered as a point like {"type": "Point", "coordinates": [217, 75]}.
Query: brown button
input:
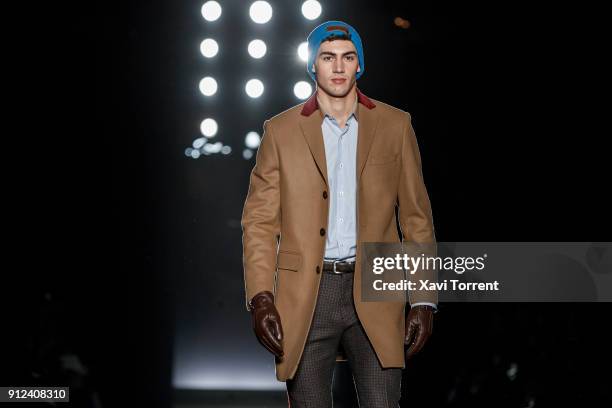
{"type": "Point", "coordinates": [324, 194]}
{"type": "Point", "coordinates": [322, 231]}
{"type": "Point", "coordinates": [318, 269]}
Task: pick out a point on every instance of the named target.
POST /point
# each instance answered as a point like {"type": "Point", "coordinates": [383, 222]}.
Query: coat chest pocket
{"type": "Point", "coordinates": [288, 259]}
{"type": "Point", "coordinates": [383, 159]}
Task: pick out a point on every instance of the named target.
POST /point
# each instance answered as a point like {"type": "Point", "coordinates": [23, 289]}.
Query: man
{"type": "Point", "coordinates": [328, 175]}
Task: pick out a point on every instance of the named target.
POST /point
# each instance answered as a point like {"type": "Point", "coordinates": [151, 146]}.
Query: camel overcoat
{"type": "Point", "coordinates": [285, 219]}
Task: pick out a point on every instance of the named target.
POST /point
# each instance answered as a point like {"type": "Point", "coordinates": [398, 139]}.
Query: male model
{"type": "Point", "coordinates": [328, 176]}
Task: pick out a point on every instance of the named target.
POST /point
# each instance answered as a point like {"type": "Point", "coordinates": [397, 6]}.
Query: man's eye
{"type": "Point", "coordinates": [350, 57]}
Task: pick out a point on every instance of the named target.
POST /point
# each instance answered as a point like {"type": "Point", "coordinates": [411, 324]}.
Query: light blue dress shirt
{"type": "Point", "coordinates": [341, 155]}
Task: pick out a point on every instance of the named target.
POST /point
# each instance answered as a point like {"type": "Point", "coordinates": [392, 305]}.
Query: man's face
{"type": "Point", "coordinates": [336, 59]}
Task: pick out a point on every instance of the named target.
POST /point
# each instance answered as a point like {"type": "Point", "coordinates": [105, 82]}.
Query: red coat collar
{"type": "Point", "coordinates": [312, 105]}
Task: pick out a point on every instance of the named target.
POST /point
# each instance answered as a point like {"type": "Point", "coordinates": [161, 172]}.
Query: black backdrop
{"type": "Point", "coordinates": [507, 103]}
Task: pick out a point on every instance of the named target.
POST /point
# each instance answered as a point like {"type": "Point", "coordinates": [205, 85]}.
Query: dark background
{"type": "Point", "coordinates": [124, 246]}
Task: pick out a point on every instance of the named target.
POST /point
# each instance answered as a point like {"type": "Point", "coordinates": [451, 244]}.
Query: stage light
{"type": "Point", "coordinates": [254, 88]}
{"type": "Point", "coordinates": [199, 142]}
{"type": "Point", "coordinates": [209, 127]}
{"type": "Point", "coordinates": [247, 154]}
{"type": "Point", "coordinates": [302, 89]}
{"type": "Point", "coordinates": [251, 140]}
{"type": "Point", "coordinates": [195, 153]}
{"type": "Point", "coordinates": [209, 48]}
{"type": "Point", "coordinates": [226, 149]}
{"type": "Point", "coordinates": [211, 10]}
{"type": "Point", "coordinates": [311, 9]}
{"type": "Point", "coordinates": [401, 22]}
{"type": "Point", "coordinates": [212, 147]}
{"type": "Point", "coordinates": [188, 151]}
{"type": "Point", "coordinates": [260, 12]}
{"type": "Point", "coordinates": [208, 86]}
{"type": "Point", "coordinates": [257, 48]}
{"type": "Point", "coordinates": [303, 51]}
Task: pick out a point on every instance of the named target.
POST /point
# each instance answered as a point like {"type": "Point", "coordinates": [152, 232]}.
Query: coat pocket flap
{"type": "Point", "coordinates": [383, 159]}
{"type": "Point", "coordinates": [290, 260]}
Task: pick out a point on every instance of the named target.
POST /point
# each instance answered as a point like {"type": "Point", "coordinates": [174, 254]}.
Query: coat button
{"type": "Point", "coordinates": [318, 269]}
{"type": "Point", "coordinates": [322, 231]}
{"type": "Point", "coordinates": [325, 194]}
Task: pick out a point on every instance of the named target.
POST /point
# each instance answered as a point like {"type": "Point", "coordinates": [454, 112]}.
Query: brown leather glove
{"type": "Point", "coordinates": [419, 324]}
{"type": "Point", "coordinates": [266, 322]}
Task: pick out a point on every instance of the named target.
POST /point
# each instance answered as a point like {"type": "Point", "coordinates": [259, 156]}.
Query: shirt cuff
{"type": "Point", "coordinates": [426, 303]}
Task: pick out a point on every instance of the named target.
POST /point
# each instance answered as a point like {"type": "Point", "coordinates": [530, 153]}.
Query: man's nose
{"type": "Point", "coordinates": [338, 65]}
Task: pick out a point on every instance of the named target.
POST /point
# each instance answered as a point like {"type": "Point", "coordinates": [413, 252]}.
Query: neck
{"type": "Point", "coordinates": [338, 107]}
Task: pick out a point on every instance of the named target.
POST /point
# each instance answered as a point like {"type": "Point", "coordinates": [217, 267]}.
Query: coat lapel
{"type": "Point", "coordinates": [311, 128]}
{"type": "Point", "coordinates": [368, 121]}
{"type": "Point", "coordinates": [310, 124]}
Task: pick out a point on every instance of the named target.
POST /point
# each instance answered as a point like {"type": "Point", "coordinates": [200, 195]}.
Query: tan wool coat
{"type": "Point", "coordinates": [286, 211]}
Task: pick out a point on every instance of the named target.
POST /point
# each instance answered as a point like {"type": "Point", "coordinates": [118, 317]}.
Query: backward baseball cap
{"type": "Point", "coordinates": [328, 29]}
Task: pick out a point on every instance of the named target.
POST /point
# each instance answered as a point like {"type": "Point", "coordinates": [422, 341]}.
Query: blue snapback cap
{"type": "Point", "coordinates": [332, 28]}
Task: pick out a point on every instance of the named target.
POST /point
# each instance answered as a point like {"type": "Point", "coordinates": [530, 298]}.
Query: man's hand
{"type": "Point", "coordinates": [266, 322]}
{"type": "Point", "coordinates": [419, 323]}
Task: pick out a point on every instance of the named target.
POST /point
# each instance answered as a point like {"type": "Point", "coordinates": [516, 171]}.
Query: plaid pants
{"type": "Point", "coordinates": [335, 322]}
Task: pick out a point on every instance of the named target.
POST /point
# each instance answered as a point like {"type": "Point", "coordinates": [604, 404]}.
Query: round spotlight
{"type": "Point", "coordinates": [195, 153]}
{"type": "Point", "coordinates": [260, 12]}
{"type": "Point", "coordinates": [251, 140]}
{"type": "Point", "coordinates": [303, 51]}
{"type": "Point", "coordinates": [209, 127]}
{"type": "Point", "coordinates": [213, 147]}
{"type": "Point", "coordinates": [208, 86]}
{"type": "Point", "coordinates": [188, 151]}
{"type": "Point", "coordinates": [311, 9]}
{"type": "Point", "coordinates": [199, 142]}
{"type": "Point", "coordinates": [226, 149]}
{"type": "Point", "coordinates": [302, 89]}
{"type": "Point", "coordinates": [247, 154]}
{"type": "Point", "coordinates": [257, 48]}
{"type": "Point", "coordinates": [211, 10]}
{"type": "Point", "coordinates": [209, 48]}
{"type": "Point", "coordinates": [254, 88]}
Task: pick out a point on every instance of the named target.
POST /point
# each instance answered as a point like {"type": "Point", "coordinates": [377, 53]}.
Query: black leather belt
{"type": "Point", "coordinates": [339, 267]}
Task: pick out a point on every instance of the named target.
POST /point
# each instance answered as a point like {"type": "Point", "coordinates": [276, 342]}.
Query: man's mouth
{"type": "Point", "coordinates": [338, 81]}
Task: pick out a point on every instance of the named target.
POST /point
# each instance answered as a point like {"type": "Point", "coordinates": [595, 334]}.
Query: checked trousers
{"type": "Point", "coordinates": [335, 322]}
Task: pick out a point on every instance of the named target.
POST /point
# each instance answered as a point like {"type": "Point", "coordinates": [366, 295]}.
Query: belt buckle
{"type": "Point", "coordinates": [334, 266]}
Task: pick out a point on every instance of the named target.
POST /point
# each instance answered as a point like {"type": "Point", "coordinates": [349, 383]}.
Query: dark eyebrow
{"type": "Point", "coordinates": [333, 54]}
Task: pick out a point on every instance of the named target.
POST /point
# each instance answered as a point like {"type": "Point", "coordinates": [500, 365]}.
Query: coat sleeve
{"type": "Point", "coordinates": [415, 215]}
{"type": "Point", "coordinates": [261, 218]}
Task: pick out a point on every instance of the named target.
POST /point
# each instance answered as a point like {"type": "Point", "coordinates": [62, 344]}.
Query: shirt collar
{"type": "Point", "coordinates": [354, 111]}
